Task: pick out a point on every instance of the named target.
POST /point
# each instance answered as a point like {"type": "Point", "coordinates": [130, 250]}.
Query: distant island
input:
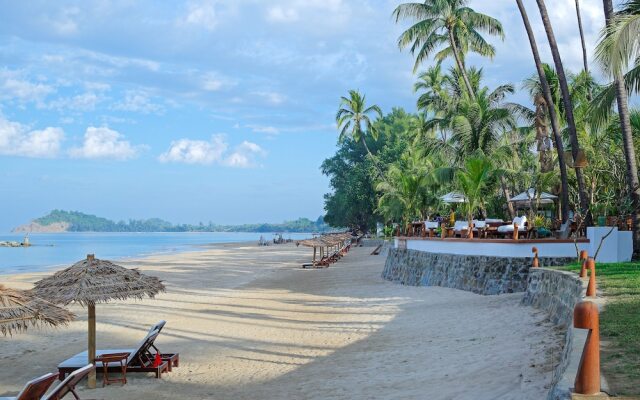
{"type": "Point", "coordinates": [74, 221]}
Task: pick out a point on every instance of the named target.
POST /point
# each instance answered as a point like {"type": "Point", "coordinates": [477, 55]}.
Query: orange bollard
{"type": "Point", "coordinates": [583, 256]}
{"type": "Point", "coordinates": [515, 232]}
{"type": "Point", "coordinates": [536, 262]}
{"type": "Point", "coordinates": [591, 287]}
{"type": "Point", "coordinates": [444, 231]}
{"type": "Point", "coordinates": [585, 316]}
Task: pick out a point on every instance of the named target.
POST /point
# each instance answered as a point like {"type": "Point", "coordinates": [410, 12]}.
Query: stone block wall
{"type": "Point", "coordinates": [557, 293]}
{"type": "Point", "coordinates": [478, 274]}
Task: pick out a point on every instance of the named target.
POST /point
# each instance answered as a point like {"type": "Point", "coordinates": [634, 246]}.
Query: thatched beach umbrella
{"type": "Point", "coordinates": [92, 281]}
{"type": "Point", "coordinates": [20, 308]}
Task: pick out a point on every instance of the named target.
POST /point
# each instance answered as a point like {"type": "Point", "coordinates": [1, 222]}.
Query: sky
{"type": "Point", "coordinates": [209, 110]}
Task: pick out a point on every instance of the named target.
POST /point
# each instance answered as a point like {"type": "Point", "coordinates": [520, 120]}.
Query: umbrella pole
{"type": "Point", "coordinates": [92, 344]}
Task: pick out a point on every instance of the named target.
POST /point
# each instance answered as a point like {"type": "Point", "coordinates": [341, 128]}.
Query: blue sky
{"type": "Point", "coordinates": [206, 110]}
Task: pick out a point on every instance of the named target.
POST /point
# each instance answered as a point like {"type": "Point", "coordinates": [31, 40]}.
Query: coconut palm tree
{"type": "Point", "coordinates": [619, 44]}
{"type": "Point", "coordinates": [545, 90]}
{"type": "Point", "coordinates": [477, 124]}
{"type": "Point", "coordinates": [472, 180]}
{"type": "Point", "coordinates": [449, 24]}
{"type": "Point", "coordinates": [354, 119]}
{"type": "Point", "coordinates": [585, 60]}
{"type": "Point", "coordinates": [568, 108]}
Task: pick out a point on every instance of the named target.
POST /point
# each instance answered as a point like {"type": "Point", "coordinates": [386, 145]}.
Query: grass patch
{"type": "Point", "coordinates": [619, 324]}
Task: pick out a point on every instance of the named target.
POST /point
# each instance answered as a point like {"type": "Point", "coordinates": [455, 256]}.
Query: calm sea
{"type": "Point", "coordinates": [52, 249]}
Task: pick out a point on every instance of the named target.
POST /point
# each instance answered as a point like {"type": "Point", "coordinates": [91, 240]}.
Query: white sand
{"type": "Point", "coordinates": [250, 324]}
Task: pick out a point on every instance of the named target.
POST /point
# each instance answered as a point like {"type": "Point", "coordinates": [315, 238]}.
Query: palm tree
{"type": "Point", "coordinates": [477, 124]}
{"type": "Point", "coordinates": [448, 23]}
{"type": "Point", "coordinates": [354, 119]}
{"type": "Point", "coordinates": [614, 51]}
{"type": "Point", "coordinates": [568, 106]}
{"type": "Point", "coordinates": [553, 116]}
{"type": "Point", "coordinates": [473, 180]}
{"type": "Point", "coordinates": [584, 46]}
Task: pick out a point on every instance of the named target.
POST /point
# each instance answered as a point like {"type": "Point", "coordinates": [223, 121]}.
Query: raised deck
{"type": "Point", "coordinates": [617, 246]}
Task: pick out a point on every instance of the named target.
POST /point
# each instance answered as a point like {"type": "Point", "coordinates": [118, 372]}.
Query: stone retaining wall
{"type": "Point", "coordinates": [478, 274]}
{"type": "Point", "coordinates": [557, 293]}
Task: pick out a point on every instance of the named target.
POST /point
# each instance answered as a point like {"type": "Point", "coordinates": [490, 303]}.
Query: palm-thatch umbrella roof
{"type": "Point", "coordinates": [92, 281]}
{"type": "Point", "coordinates": [453, 197]}
{"type": "Point", "coordinates": [532, 196]}
{"type": "Point", "coordinates": [20, 308]}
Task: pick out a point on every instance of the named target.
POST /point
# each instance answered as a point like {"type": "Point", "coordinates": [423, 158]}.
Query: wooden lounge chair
{"type": "Point", "coordinates": [69, 384]}
{"type": "Point", "coordinates": [35, 389]}
{"type": "Point", "coordinates": [140, 359]}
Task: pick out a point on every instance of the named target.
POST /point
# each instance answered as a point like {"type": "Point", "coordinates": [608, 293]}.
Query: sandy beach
{"type": "Point", "coordinates": [249, 323]}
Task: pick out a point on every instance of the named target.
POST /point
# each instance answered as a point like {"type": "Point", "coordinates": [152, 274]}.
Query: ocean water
{"type": "Point", "coordinates": [54, 249]}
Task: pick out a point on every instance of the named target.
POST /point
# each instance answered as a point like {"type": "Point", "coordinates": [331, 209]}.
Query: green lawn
{"type": "Point", "coordinates": [620, 324]}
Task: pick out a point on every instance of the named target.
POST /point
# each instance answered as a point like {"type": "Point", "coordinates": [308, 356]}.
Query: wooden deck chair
{"type": "Point", "coordinates": [140, 359]}
{"type": "Point", "coordinates": [69, 384]}
{"type": "Point", "coordinates": [35, 389]}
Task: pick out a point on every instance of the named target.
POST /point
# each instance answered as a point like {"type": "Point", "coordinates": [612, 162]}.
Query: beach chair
{"type": "Point", "coordinates": [139, 359]}
{"type": "Point", "coordinates": [69, 384]}
{"type": "Point", "coordinates": [35, 389]}
{"type": "Point", "coordinates": [507, 230]}
{"type": "Point", "coordinates": [459, 229]}
{"type": "Point", "coordinates": [430, 228]}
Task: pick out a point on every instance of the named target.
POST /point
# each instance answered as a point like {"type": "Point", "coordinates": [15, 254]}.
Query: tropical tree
{"type": "Point", "coordinates": [449, 26]}
{"type": "Point", "coordinates": [618, 45]}
{"type": "Point", "coordinates": [568, 107]}
{"type": "Point", "coordinates": [473, 180]}
{"type": "Point", "coordinates": [354, 119]}
{"type": "Point", "coordinates": [545, 91]}
{"type": "Point", "coordinates": [585, 60]}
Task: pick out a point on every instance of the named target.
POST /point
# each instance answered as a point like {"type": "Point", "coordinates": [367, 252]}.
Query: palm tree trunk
{"type": "Point", "coordinates": [463, 71]}
{"type": "Point", "coordinates": [555, 125]}
{"type": "Point", "coordinates": [629, 151]}
{"type": "Point", "coordinates": [568, 105]}
{"type": "Point", "coordinates": [373, 160]}
{"type": "Point", "coordinates": [507, 196]}
{"type": "Point", "coordinates": [585, 60]}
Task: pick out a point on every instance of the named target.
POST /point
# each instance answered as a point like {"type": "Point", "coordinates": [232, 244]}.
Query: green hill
{"type": "Point", "coordinates": [76, 221]}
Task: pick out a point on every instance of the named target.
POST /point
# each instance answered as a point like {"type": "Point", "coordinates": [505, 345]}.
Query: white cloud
{"type": "Point", "coordinates": [282, 14]}
{"type": "Point", "coordinates": [201, 14]}
{"type": "Point", "coordinates": [195, 151]}
{"type": "Point", "coordinates": [212, 82]}
{"type": "Point", "coordinates": [82, 102]}
{"type": "Point", "coordinates": [215, 151]}
{"type": "Point", "coordinates": [104, 143]}
{"type": "Point", "coordinates": [14, 87]}
{"type": "Point", "coordinates": [17, 140]}
{"type": "Point", "coordinates": [270, 130]}
{"type": "Point", "coordinates": [244, 155]}
{"type": "Point", "coordinates": [272, 97]}
{"type": "Point", "coordinates": [138, 101]}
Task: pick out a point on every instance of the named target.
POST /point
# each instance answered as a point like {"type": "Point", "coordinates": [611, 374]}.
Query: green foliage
{"type": "Point", "coordinates": [80, 222]}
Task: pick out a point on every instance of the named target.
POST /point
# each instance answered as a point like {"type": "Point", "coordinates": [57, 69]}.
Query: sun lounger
{"type": "Point", "coordinates": [140, 359]}
{"type": "Point", "coordinates": [69, 384]}
{"type": "Point", "coordinates": [35, 388]}
{"type": "Point", "coordinates": [508, 229]}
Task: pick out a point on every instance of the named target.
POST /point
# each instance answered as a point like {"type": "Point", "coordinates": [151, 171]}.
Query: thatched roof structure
{"type": "Point", "coordinates": [92, 281]}
{"type": "Point", "coordinates": [330, 239]}
{"type": "Point", "coordinates": [19, 309]}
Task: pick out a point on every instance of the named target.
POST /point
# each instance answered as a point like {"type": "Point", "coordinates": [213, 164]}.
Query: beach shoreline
{"type": "Point", "coordinates": [248, 319]}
